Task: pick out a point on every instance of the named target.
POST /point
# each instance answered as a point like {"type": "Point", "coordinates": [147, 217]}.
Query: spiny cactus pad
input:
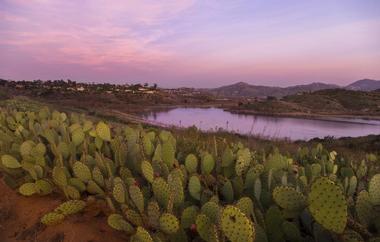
{"type": "Point", "coordinates": [27, 189]}
{"type": "Point", "coordinates": [288, 198]}
{"type": "Point", "coordinates": [169, 223]}
{"type": "Point", "coordinates": [208, 163]}
{"type": "Point", "coordinates": [245, 205]}
{"type": "Point", "coordinates": [236, 226]}
{"type": "Point", "coordinates": [82, 171]}
{"type": "Point", "coordinates": [364, 208]}
{"type": "Point", "coordinates": [70, 207]}
{"type": "Point", "coordinates": [161, 191]}
{"type": "Point", "coordinates": [142, 235]}
{"type": "Point", "coordinates": [147, 171]}
{"type": "Point", "coordinates": [191, 163]}
{"type": "Point", "coordinates": [52, 218]}
{"type": "Point", "coordinates": [195, 187]}
{"type": "Point", "coordinates": [137, 197]}
{"type": "Point", "coordinates": [206, 229]}
{"type": "Point", "coordinates": [374, 189]}
{"type": "Point", "coordinates": [10, 162]}
{"type": "Point", "coordinates": [103, 131]}
{"type": "Point", "coordinates": [189, 215]}
{"type": "Point", "coordinates": [116, 221]}
{"type": "Point", "coordinates": [119, 192]}
{"type": "Point", "coordinates": [328, 205]}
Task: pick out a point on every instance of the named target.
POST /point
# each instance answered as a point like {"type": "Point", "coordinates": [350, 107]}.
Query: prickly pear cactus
{"type": "Point", "coordinates": [82, 171]}
{"type": "Point", "coordinates": [189, 215]}
{"type": "Point", "coordinates": [169, 224]}
{"type": "Point", "coordinates": [208, 163]}
{"type": "Point", "coordinates": [374, 189]}
{"type": "Point", "coordinates": [161, 191]}
{"type": "Point", "coordinates": [288, 198]}
{"type": "Point", "coordinates": [211, 210]}
{"type": "Point", "coordinates": [137, 197]}
{"type": "Point", "coordinates": [364, 208]}
{"type": "Point", "coordinates": [328, 205]}
{"type": "Point", "coordinates": [52, 218]}
{"type": "Point", "coordinates": [10, 162]}
{"type": "Point", "coordinates": [27, 189]}
{"type": "Point", "coordinates": [243, 161]}
{"type": "Point", "coordinates": [116, 221]}
{"type": "Point", "coordinates": [119, 192]}
{"type": "Point", "coordinates": [142, 235]}
{"type": "Point", "coordinates": [70, 207]}
{"type": "Point", "coordinates": [245, 205]}
{"type": "Point", "coordinates": [147, 171]}
{"type": "Point", "coordinates": [103, 131]}
{"type": "Point", "coordinates": [191, 163]}
{"type": "Point", "coordinates": [195, 187]}
{"type": "Point", "coordinates": [206, 229]}
{"type": "Point", "coordinates": [236, 226]}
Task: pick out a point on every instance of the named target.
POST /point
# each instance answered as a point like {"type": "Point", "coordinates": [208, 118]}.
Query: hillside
{"type": "Point", "coordinates": [242, 89]}
{"type": "Point", "coordinates": [332, 101]}
{"type": "Point", "coordinates": [364, 85]}
{"type": "Point", "coordinates": [245, 90]}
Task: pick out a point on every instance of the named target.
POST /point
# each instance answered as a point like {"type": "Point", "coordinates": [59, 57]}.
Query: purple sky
{"type": "Point", "coordinates": [201, 43]}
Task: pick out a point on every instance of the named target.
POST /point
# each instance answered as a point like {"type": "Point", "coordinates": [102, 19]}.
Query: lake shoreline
{"type": "Point", "coordinates": [231, 109]}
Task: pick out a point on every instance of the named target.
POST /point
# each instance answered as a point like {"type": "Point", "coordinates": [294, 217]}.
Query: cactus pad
{"type": "Point", "coordinates": [119, 192]}
{"type": "Point", "coordinates": [52, 218]}
{"type": "Point", "coordinates": [27, 189]}
{"type": "Point", "coordinates": [169, 223]}
{"type": "Point", "coordinates": [288, 198]}
{"type": "Point", "coordinates": [43, 187]}
{"type": "Point", "coordinates": [206, 229]}
{"type": "Point", "coordinates": [328, 205]}
{"type": "Point", "coordinates": [147, 171]}
{"type": "Point", "coordinates": [374, 189]}
{"type": "Point", "coordinates": [236, 226]}
{"type": "Point", "coordinates": [59, 176]}
{"type": "Point", "coordinates": [364, 208]}
{"type": "Point", "coordinates": [195, 187]}
{"type": "Point", "coordinates": [208, 163]}
{"type": "Point", "coordinates": [245, 205]}
{"type": "Point", "coordinates": [188, 216]}
{"type": "Point", "coordinates": [103, 131]}
{"type": "Point", "coordinates": [142, 235]}
{"type": "Point", "coordinates": [153, 211]}
{"type": "Point", "coordinates": [191, 163]}
{"type": "Point", "coordinates": [211, 210]}
{"type": "Point", "coordinates": [82, 171]}
{"type": "Point", "coordinates": [227, 157]}
{"type": "Point", "coordinates": [10, 162]}
{"type": "Point", "coordinates": [70, 207]}
{"type": "Point", "coordinates": [137, 197]}
{"type": "Point", "coordinates": [116, 221]}
{"type": "Point", "coordinates": [161, 191]}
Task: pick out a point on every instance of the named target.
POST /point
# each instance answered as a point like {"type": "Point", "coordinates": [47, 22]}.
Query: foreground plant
{"type": "Point", "coordinates": [158, 190]}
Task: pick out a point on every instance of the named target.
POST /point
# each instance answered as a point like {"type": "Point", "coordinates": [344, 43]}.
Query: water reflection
{"type": "Point", "coordinates": [267, 126]}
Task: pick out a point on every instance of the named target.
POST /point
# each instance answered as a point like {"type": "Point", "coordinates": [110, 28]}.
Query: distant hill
{"type": "Point", "coordinates": [331, 101]}
{"type": "Point", "coordinates": [242, 89]}
{"type": "Point", "coordinates": [364, 85]}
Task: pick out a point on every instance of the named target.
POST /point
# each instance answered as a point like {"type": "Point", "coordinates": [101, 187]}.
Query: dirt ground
{"type": "Point", "coordinates": [20, 216]}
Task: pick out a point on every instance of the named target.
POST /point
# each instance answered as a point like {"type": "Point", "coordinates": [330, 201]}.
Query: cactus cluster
{"type": "Point", "coordinates": [158, 189]}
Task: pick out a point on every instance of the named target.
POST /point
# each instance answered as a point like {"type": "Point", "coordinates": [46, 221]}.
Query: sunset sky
{"type": "Point", "coordinates": [201, 43]}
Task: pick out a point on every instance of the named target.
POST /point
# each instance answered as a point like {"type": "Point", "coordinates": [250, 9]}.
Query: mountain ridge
{"type": "Point", "coordinates": [243, 89]}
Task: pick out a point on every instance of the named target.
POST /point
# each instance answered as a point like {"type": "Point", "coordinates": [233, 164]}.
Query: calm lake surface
{"type": "Point", "coordinates": [211, 119]}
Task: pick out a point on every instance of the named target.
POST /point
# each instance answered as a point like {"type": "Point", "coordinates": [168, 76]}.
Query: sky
{"type": "Point", "coordinates": [194, 43]}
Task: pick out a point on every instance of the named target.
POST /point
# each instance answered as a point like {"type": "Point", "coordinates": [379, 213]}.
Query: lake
{"type": "Point", "coordinates": [211, 119]}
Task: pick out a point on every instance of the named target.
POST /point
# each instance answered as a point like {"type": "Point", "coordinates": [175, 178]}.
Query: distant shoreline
{"type": "Point", "coordinates": [321, 117]}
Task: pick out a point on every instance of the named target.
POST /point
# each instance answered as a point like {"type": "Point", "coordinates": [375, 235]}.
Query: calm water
{"type": "Point", "coordinates": [271, 127]}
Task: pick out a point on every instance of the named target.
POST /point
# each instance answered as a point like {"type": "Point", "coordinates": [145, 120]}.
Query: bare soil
{"type": "Point", "coordinates": [20, 216]}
